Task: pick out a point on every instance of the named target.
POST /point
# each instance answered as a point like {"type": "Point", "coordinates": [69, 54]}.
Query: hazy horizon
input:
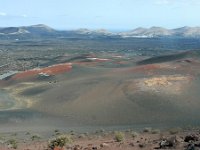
{"type": "Point", "coordinates": [95, 14]}
{"type": "Point", "coordinates": [111, 30]}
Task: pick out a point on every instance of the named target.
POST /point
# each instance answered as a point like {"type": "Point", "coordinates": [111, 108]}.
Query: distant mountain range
{"type": "Point", "coordinates": [43, 31]}
{"type": "Point", "coordinates": [188, 32]}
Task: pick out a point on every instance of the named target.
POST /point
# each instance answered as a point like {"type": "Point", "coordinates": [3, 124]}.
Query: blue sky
{"type": "Point", "coordinates": [93, 14]}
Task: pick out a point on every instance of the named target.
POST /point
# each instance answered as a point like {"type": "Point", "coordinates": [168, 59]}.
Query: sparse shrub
{"type": "Point", "coordinates": [28, 133]}
{"type": "Point", "coordinates": [72, 132]}
{"type": "Point", "coordinates": [86, 134]}
{"type": "Point", "coordinates": [134, 134]}
{"type": "Point", "coordinates": [105, 134]}
{"type": "Point", "coordinates": [2, 139]}
{"type": "Point", "coordinates": [57, 132]}
{"type": "Point", "coordinates": [35, 137]}
{"type": "Point", "coordinates": [174, 130]}
{"type": "Point", "coordinates": [81, 136]}
{"type": "Point", "coordinates": [12, 143]}
{"type": "Point", "coordinates": [14, 134]}
{"type": "Point", "coordinates": [128, 130]}
{"type": "Point", "coordinates": [59, 142]}
{"type": "Point", "coordinates": [100, 131]}
{"type": "Point", "coordinates": [155, 131]}
{"type": "Point", "coordinates": [119, 136]}
{"type": "Point", "coordinates": [147, 130]}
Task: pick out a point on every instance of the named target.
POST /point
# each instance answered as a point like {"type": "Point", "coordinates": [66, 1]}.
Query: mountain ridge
{"type": "Point", "coordinates": [44, 31]}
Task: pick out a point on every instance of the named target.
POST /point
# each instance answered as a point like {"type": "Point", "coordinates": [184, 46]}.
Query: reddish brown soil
{"type": "Point", "coordinates": [51, 70]}
{"type": "Point", "coordinates": [93, 62]}
{"type": "Point", "coordinates": [150, 67]}
{"type": "Point", "coordinates": [85, 63]}
{"type": "Point", "coordinates": [141, 69]}
{"type": "Point", "coordinates": [121, 62]}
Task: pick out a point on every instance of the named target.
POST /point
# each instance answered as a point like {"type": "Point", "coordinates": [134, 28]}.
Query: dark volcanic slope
{"type": "Point", "coordinates": [171, 57]}
{"type": "Point", "coordinates": [145, 94]}
{"type": "Point", "coordinates": [103, 89]}
{"type": "Point", "coordinates": [104, 98]}
{"type": "Point", "coordinates": [165, 58]}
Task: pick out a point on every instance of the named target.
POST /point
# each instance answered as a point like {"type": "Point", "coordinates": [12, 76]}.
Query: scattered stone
{"type": "Point", "coordinates": [121, 143]}
{"type": "Point", "coordinates": [142, 145]}
{"type": "Point", "coordinates": [81, 136]}
{"type": "Point", "coordinates": [171, 142]}
{"type": "Point", "coordinates": [104, 145]}
{"type": "Point", "coordinates": [190, 146]}
{"type": "Point", "coordinates": [197, 144]}
{"type": "Point", "coordinates": [189, 138]}
{"type": "Point", "coordinates": [131, 144]}
{"type": "Point", "coordinates": [94, 148]}
{"type": "Point", "coordinates": [77, 147]}
{"type": "Point", "coordinates": [87, 148]}
{"type": "Point", "coordinates": [164, 143]}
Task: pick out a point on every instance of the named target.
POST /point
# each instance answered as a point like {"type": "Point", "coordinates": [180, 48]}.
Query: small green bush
{"type": "Point", "coordinates": [147, 130]}
{"type": "Point", "coordinates": [119, 136]}
{"type": "Point", "coordinates": [174, 130]}
{"type": "Point", "coordinates": [60, 141]}
{"type": "Point", "coordinates": [81, 136]}
{"type": "Point", "coordinates": [27, 133]}
{"type": "Point", "coordinates": [35, 137]}
{"type": "Point", "coordinates": [134, 134]}
{"type": "Point", "coordinates": [57, 132]}
{"type": "Point", "coordinates": [155, 131]}
{"type": "Point", "coordinates": [12, 143]}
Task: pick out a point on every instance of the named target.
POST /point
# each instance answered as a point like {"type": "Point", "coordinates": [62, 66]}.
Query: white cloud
{"type": "Point", "coordinates": [24, 15]}
{"type": "Point", "coordinates": [3, 14]}
{"type": "Point", "coordinates": [177, 2]}
{"type": "Point", "coordinates": [162, 2]}
{"type": "Point", "coordinates": [13, 16]}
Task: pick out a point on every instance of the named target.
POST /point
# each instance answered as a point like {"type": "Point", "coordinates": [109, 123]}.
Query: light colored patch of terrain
{"type": "Point", "coordinates": [171, 84]}
{"type": "Point", "coordinates": [23, 101]}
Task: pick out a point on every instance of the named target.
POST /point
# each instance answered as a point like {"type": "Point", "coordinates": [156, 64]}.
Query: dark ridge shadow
{"type": "Point", "coordinates": [165, 58]}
